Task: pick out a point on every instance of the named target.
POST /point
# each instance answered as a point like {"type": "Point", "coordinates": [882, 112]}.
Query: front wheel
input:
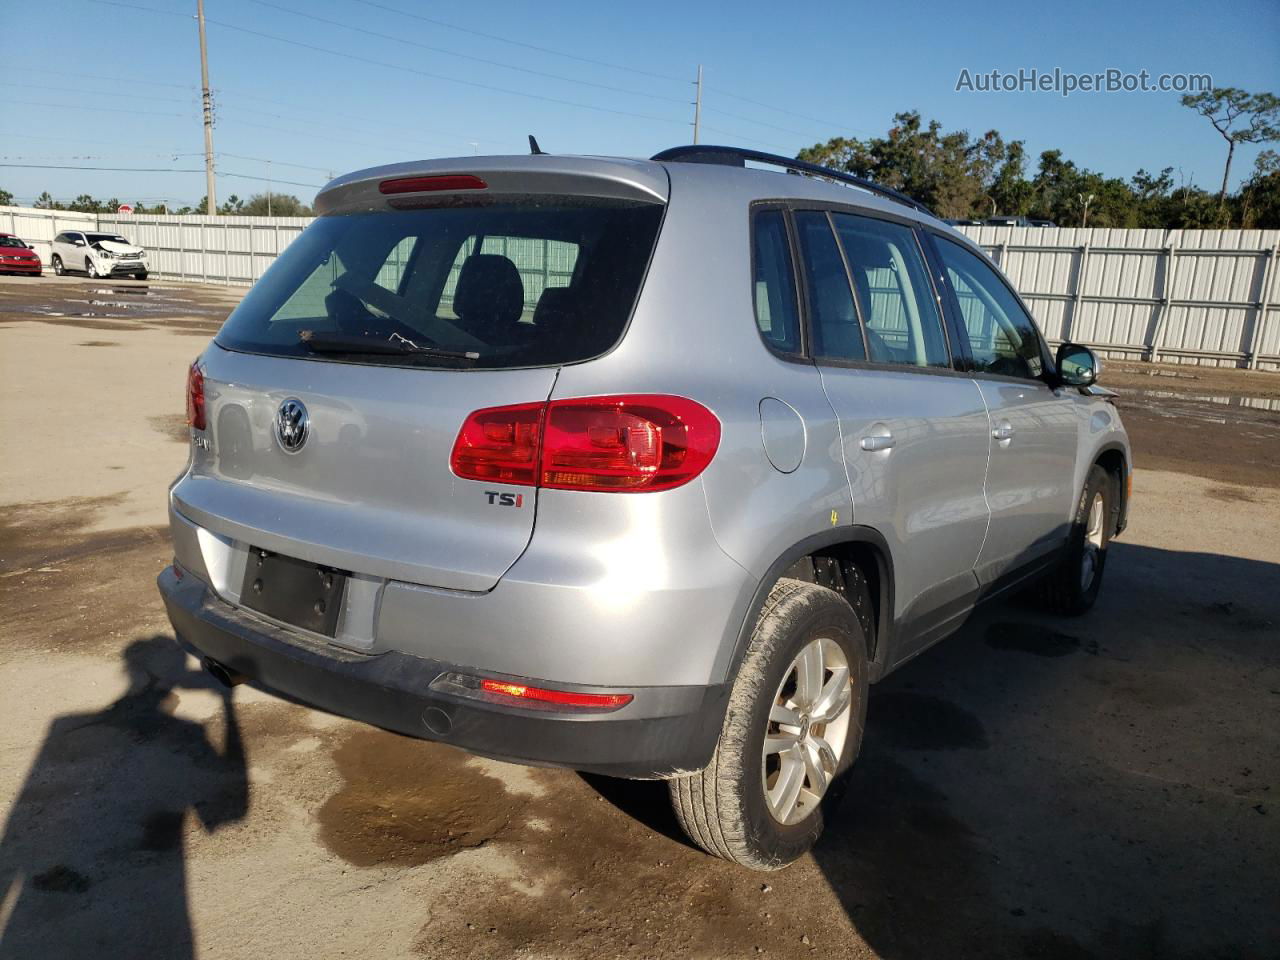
{"type": "Point", "coordinates": [791, 732]}
{"type": "Point", "coordinates": [90, 269]}
{"type": "Point", "coordinates": [1072, 587]}
{"type": "Point", "coordinates": [58, 271]}
{"type": "Point", "coordinates": [141, 275]}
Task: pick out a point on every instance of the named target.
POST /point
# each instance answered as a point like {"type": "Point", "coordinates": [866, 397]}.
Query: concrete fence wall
{"type": "Point", "coordinates": [1208, 297]}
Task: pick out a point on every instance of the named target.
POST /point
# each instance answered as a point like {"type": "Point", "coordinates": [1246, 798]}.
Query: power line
{"type": "Point", "coordinates": [395, 66]}
{"type": "Point", "coordinates": [433, 76]}
{"type": "Point", "coordinates": [787, 110]}
{"type": "Point", "coordinates": [465, 56]}
{"type": "Point", "coordinates": [521, 43]}
{"type": "Point", "coordinates": [278, 163]}
{"type": "Point", "coordinates": [132, 96]}
{"type": "Point", "coordinates": [329, 115]}
{"type": "Point", "coordinates": [221, 173]}
{"type": "Point", "coordinates": [96, 76]}
{"type": "Point", "coordinates": [840, 125]}
{"type": "Point", "coordinates": [76, 106]}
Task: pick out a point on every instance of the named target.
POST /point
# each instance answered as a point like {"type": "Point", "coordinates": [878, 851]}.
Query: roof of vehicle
{"type": "Point", "coordinates": [621, 177]}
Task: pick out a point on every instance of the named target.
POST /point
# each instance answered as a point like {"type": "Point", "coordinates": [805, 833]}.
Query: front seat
{"type": "Point", "coordinates": [489, 298]}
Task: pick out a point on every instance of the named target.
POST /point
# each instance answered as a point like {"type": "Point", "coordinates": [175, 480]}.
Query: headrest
{"type": "Point", "coordinates": [489, 290]}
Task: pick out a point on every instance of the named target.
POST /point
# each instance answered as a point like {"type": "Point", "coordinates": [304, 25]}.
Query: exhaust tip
{"type": "Point", "coordinates": [223, 674]}
{"type": "Point", "coordinates": [437, 721]}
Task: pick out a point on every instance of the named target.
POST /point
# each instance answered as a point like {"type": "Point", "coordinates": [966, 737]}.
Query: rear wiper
{"type": "Point", "coordinates": [398, 346]}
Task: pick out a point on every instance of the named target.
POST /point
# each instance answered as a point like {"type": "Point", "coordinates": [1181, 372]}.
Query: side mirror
{"type": "Point", "coordinates": [78, 242]}
{"type": "Point", "coordinates": [1078, 366]}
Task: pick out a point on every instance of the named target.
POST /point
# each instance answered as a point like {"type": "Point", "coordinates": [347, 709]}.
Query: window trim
{"type": "Point", "coordinates": [1048, 366]}
{"type": "Point", "coordinates": [913, 226]}
{"type": "Point", "coordinates": [801, 354]}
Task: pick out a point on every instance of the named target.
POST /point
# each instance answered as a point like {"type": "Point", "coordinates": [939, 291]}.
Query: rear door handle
{"type": "Point", "coordinates": [881, 442]}
{"type": "Point", "coordinates": [1003, 432]}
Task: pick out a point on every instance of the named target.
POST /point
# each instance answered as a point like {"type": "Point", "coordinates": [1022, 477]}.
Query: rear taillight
{"type": "Point", "coordinates": [625, 444]}
{"type": "Point", "coordinates": [500, 444]}
{"type": "Point", "coordinates": [195, 397]}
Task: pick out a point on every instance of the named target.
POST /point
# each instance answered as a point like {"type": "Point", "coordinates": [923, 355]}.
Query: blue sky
{"type": "Point", "coordinates": [393, 97]}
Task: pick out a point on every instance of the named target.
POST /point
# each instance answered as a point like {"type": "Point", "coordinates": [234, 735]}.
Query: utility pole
{"type": "Point", "coordinates": [268, 188]}
{"type": "Point", "coordinates": [1084, 203]}
{"type": "Point", "coordinates": [697, 107]}
{"type": "Point", "coordinates": [207, 99]}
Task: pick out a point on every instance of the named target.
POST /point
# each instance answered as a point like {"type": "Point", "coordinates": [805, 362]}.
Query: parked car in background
{"type": "Point", "coordinates": [98, 255]}
{"type": "Point", "coordinates": [779, 435]}
{"type": "Point", "coordinates": [964, 222]}
{"type": "Point", "coordinates": [16, 256]}
{"type": "Point", "coordinates": [1007, 222]}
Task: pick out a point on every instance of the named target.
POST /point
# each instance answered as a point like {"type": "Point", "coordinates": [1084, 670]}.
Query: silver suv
{"type": "Point", "coordinates": [646, 468]}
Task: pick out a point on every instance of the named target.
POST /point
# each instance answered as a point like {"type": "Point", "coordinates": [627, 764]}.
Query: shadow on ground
{"type": "Point", "coordinates": [1107, 786]}
{"type": "Point", "coordinates": [92, 859]}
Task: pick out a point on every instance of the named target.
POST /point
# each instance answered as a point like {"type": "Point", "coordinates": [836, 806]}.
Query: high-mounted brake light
{"type": "Point", "coordinates": [563, 698]}
{"type": "Point", "coordinates": [447, 181]}
{"type": "Point", "coordinates": [625, 444]}
{"type": "Point", "coordinates": [195, 397]}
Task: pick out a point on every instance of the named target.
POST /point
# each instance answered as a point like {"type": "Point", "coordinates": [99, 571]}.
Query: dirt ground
{"type": "Point", "coordinates": [1107, 786]}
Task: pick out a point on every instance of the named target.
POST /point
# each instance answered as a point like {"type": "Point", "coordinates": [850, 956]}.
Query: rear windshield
{"type": "Point", "coordinates": [500, 284]}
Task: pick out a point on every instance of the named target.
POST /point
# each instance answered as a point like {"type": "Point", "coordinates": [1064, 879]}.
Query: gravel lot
{"type": "Point", "coordinates": [1108, 786]}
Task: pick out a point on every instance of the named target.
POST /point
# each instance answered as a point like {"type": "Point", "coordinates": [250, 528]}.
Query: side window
{"type": "Point", "coordinates": [832, 315]}
{"type": "Point", "coordinates": [60, 238]}
{"type": "Point", "coordinates": [1002, 338]}
{"type": "Point", "coordinates": [896, 299]}
{"type": "Point", "coordinates": [774, 283]}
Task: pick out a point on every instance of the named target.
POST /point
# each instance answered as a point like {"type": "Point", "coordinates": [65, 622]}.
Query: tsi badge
{"type": "Point", "coordinates": [504, 499]}
{"type": "Point", "coordinates": [293, 425]}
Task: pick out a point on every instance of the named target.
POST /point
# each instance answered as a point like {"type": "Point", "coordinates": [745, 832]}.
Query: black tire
{"type": "Point", "coordinates": [58, 269]}
{"type": "Point", "coordinates": [1066, 590]}
{"type": "Point", "coordinates": [90, 269]}
{"type": "Point", "coordinates": [723, 808]}
{"type": "Point", "coordinates": [140, 276]}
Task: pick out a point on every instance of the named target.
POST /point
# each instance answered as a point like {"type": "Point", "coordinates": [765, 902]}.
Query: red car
{"type": "Point", "coordinates": [17, 257]}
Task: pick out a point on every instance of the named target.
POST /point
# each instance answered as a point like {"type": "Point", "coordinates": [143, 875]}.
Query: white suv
{"type": "Point", "coordinates": [98, 255]}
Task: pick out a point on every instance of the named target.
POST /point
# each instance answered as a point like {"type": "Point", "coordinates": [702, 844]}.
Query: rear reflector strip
{"type": "Point", "coordinates": [452, 181]}
{"type": "Point", "coordinates": [519, 691]}
{"type": "Point", "coordinates": [515, 693]}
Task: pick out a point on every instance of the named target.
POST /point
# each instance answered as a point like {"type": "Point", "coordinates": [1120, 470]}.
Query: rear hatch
{"type": "Point", "coordinates": [335, 391]}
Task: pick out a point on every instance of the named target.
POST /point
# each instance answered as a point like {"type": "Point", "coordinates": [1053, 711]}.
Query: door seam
{"type": "Point", "coordinates": [986, 477]}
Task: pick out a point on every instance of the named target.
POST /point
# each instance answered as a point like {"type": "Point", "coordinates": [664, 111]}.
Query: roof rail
{"type": "Point", "coordinates": [738, 157]}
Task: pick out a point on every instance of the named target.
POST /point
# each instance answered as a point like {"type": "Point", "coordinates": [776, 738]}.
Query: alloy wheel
{"type": "Point", "coordinates": [808, 725]}
{"type": "Point", "coordinates": [1091, 556]}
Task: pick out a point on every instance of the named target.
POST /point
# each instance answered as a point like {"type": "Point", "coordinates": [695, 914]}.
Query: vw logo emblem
{"type": "Point", "coordinates": [293, 425]}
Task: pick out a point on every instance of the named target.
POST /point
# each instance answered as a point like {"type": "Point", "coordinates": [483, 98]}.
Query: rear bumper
{"type": "Point", "coordinates": [663, 732]}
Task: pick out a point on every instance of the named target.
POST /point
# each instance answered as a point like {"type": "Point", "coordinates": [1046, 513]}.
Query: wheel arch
{"type": "Point", "coordinates": [860, 546]}
{"type": "Point", "coordinates": [1114, 459]}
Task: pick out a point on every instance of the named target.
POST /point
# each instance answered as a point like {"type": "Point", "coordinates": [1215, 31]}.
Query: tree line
{"type": "Point", "coordinates": [259, 205]}
{"type": "Point", "coordinates": [960, 176]}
